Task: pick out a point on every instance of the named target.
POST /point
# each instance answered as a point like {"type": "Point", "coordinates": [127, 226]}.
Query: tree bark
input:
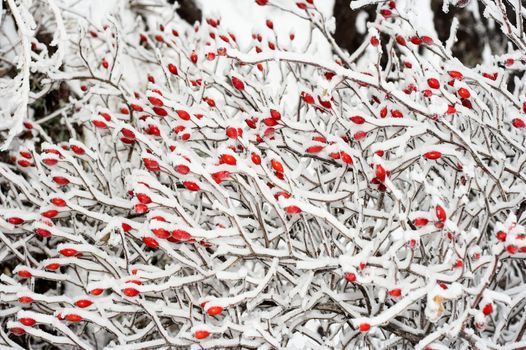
{"type": "Point", "coordinates": [188, 10]}
{"type": "Point", "coordinates": [346, 34]}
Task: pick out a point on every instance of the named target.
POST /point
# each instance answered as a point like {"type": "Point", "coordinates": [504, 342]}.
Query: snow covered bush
{"type": "Point", "coordinates": [193, 192]}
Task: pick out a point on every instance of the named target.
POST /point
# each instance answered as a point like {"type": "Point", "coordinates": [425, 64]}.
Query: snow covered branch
{"type": "Point", "coordinates": [192, 190]}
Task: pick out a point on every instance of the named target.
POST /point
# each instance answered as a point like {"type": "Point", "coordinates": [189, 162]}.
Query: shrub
{"type": "Point", "coordinates": [188, 191]}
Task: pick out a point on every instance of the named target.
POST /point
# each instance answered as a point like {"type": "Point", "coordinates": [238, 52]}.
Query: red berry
{"type": "Point", "coordinates": [220, 176]}
{"type": "Point", "coordinates": [60, 180]}
{"type": "Point", "coordinates": [15, 221]}
{"type": "Point", "coordinates": [346, 158]}
{"type": "Point", "coordinates": [192, 186]}
{"type": "Point", "coordinates": [17, 331]}
{"type": "Point", "coordinates": [276, 165]}
{"type": "Point", "coordinates": [83, 303]}
{"type": "Point", "coordinates": [24, 163]}
{"type": "Point", "coordinates": [464, 93]}
{"type": "Point", "coordinates": [335, 155]}
{"type": "Point", "coordinates": [501, 236]}
{"type": "Point", "coordinates": [518, 123]}
{"type": "Point", "coordinates": [153, 130]}
{"type": "Point", "coordinates": [487, 309]}
{"type": "Point", "coordinates": [256, 159]}
{"type": "Point", "coordinates": [53, 151]}
{"type": "Point", "coordinates": [26, 321]}
{"type": "Point", "coordinates": [76, 149]}
{"type": "Point", "coordinates": [144, 198]}
{"type": "Point", "coordinates": [512, 249]}
{"type": "Point", "coordinates": [212, 22]}
{"type": "Point", "coordinates": [364, 327]}
{"type": "Point", "coordinates": [182, 169]}
{"type": "Point", "coordinates": [433, 155]}
{"type": "Point", "coordinates": [380, 173]}
{"type": "Point", "coordinates": [490, 76]}
{"type": "Point", "coordinates": [307, 98]}
{"type": "Point", "coordinates": [151, 165]}
{"type": "Point", "coordinates": [261, 2]}
{"type": "Point", "coordinates": [25, 299]}
{"type": "Point", "coordinates": [231, 133]}
{"type": "Point", "coordinates": [276, 115]}
{"type": "Point", "coordinates": [350, 277]}
{"type": "Point", "coordinates": [214, 310]}
{"type": "Point", "coordinates": [416, 40]}
{"type": "Point", "coordinates": [43, 232]}
{"type": "Point", "coordinates": [96, 291]}
{"type": "Point", "coordinates": [50, 161]}
{"type": "Point", "coordinates": [314, 149]}
{"type": "Point", "coordinates": [184, 115]}
{"type": "Point", "coordinates": [99, 124]}
{"type": "Point", "coordinates": [161, 233]}
{"type": "Point", "coordinates": [327, 104]}
{"type": "Point", "coordinates": [227, 159]}
{"type": "Point", "coordinates": [73, 318]}
{"type": "Point", "coordinates": [151, 242]}
{"type": "Point", "coordinates": [24, 274]}
{"type": "Point", "coordinates": [401, 40]}
{"type": "Point", "coordinates": [455, 74]}
{"type": "Point", "coordinates": [440, 213]}
{"type": "Point", "coordinates": [193, 57]}
{"type": "Point", "coordinates": [418, 222]}
{"type": "Point", "coordinates": [270, 122]}
{"type": "Point", "coordinates": [427, 40]}
{"type": "Point", "coordinates": [156, 102]}
{"type": "Point", "coordinates": [397, 114]}
{"type": "Point", "coordinates": [161, 112]}
{"type": "Point", "coordinates": [172, 68]}
{"type": "Point", "coordinates": [292, 209]}
{"type": "Point", "coordinates": [467, 103]}
{"type": "Point", "coordinates": [374, 41]}
{"type": "Point", "coordinates": [137, 107]}
{"type": "Point", "coordinates": [433, 83]}
{"type": "Point", "coordinates": [395, 292]}
{"type": "Point", "coordinates": [69, 252]}
{"type": "Point", "coordinates": [59, 202]}
{"type": "Point", "coordinates": [458, 264]}
{"type": "Point", "coordinates": [53, 266]}
{"type": "Point", "coordinates": [181, 235]}
{"type": "Point", "coordinates": [386, 13]}
{"type": "Point", "coordinates": [26, 155]}
{"type": "Point", "coordinates": [358, 119]}
{"type": "Point", "coordinates": [130, 292]}
{"type": "Point", "coordinates": [50, 213]}
{"type": "Point", "coordinates": [202, 334]}
{"type": "Point", "coordinates": [301, 5]}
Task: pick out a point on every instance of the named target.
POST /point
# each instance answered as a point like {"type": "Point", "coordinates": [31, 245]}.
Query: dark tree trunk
{"type": "Point", "coordinates": [189, 11]}
{"type": "Point", "coordinates": [346, 34]}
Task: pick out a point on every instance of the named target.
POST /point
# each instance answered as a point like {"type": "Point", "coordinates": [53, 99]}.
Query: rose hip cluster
{"type": "Point", "coordinates": [209, 194]}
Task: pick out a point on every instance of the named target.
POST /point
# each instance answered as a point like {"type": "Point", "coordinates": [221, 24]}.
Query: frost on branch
{"type": "Point", "coordinates": [196, 192]}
